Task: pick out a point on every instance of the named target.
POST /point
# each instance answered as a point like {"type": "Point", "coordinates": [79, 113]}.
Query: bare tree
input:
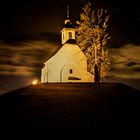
{"type": "Point", "coordinates": [92, 37]}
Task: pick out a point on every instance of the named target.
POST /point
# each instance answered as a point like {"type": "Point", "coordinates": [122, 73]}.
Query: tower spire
{"type": "Point", "coordinates": [68, 32]}
{"type": "Point", "coordinates": [67, 11]}
{"type": "Point", "coordinates": [67, 19]}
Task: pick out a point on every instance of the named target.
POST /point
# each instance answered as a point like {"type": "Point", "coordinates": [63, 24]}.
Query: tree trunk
{"type": "Point", "coordinates": [96, 74]}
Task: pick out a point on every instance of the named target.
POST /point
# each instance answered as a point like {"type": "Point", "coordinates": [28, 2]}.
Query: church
{"type": "Point", "coordinates": [69, 64]}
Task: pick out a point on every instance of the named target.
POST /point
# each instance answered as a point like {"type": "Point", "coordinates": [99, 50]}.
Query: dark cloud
{"type": "Point", "coordinates": [137, 69]}
{"type": "Point", "coordinates": [131, 63]}
{"type": "Point", "coordinates": [27, 58]}
{"type": "Point", "coordinates": [125, 61]}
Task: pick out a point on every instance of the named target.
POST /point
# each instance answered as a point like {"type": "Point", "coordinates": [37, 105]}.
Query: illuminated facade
{"type": "Point", "coordinates": [69, 64]}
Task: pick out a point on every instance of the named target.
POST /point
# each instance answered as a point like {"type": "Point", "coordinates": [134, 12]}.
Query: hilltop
{"type": "Point", "coordinates": [70, 111]}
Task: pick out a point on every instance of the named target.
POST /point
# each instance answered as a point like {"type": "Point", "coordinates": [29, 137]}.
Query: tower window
{"type": "Point", "coordinates": [63, 35]}
{"type": "Point", "coordinates": [70, 35]}
{"type": "Point", "coordinates": [70, 70]}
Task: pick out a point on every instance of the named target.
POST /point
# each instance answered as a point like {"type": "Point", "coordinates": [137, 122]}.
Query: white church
{"type": "Point", "coordinates": [69, 64]}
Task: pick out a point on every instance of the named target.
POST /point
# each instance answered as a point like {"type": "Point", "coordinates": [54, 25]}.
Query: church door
{"type": "Point", "coordinates": [70, 73]}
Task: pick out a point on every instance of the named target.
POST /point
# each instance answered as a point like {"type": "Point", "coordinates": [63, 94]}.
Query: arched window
{"type": "Point", "coordinates": [70, 70]}
{"type": "Point", "coordinates": [70, 35]}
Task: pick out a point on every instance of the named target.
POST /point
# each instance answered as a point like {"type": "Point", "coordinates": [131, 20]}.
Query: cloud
{"type": "Point", "coordinates": [25, 59]}
{"type": "Point", "coordinates": [125, 61]}
{"type": "Point", "coordinates": [16, 70]}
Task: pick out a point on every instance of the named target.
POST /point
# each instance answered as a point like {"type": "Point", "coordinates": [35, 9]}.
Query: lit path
{"type": "Point", "coordinates": [70, 111]}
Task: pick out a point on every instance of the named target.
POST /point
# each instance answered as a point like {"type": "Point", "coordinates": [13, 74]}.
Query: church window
{"type": "Point", "coordinates": [70, 35]}
{"type": "Point", "coordinates": [70, 70]}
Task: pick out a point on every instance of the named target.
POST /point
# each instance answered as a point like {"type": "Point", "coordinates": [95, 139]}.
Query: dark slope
{"type": "Point", "coordinates": [70, 111]}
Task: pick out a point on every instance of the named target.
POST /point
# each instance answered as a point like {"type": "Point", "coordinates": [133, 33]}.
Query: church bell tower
{"type": "Point", "coordinates": [68, 32]}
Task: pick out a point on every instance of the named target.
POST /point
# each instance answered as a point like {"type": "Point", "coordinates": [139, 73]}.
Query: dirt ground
{"type": "Point", "coordinates": [70, 111]}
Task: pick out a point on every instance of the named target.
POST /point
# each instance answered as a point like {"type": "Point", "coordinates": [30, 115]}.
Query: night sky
{"type": "Point", "coordinates": [30, 34]}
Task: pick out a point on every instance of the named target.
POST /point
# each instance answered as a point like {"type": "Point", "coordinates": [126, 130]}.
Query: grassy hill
{"type": "Point", "coordinates": [70, 111]}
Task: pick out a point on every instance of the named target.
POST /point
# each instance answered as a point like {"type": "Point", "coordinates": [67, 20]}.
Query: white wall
{"type": "Point", "coordinates": [68, 57]}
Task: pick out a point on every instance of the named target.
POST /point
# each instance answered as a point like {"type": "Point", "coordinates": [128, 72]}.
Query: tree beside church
{"type": "Point", "coordinates": [92, 37]}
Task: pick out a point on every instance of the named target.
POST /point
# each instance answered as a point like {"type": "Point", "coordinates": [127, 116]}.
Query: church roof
{"type": "Point", "coordinates": [68, 24]}
{"type": "Point", "coordinates": [71, 41]}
